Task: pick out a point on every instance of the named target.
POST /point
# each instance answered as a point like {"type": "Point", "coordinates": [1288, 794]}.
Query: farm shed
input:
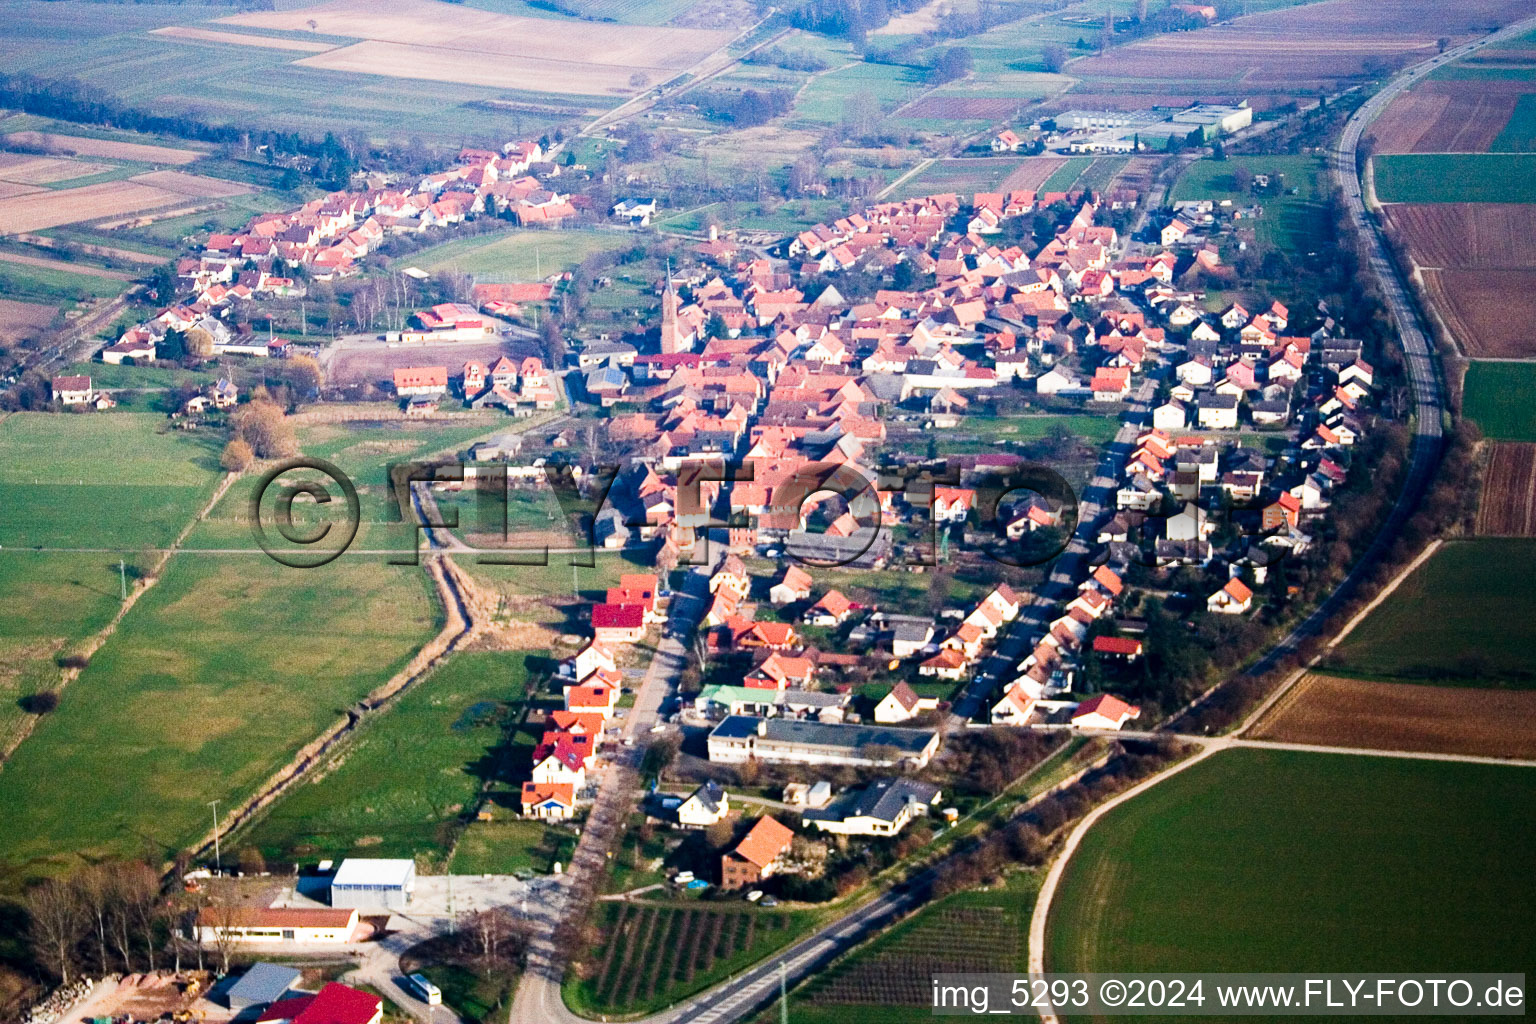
{"type": "Point", "coordinates": [373, 884]}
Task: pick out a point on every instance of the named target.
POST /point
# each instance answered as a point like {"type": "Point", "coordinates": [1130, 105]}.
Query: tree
{"type": "Point", "coordinates": [1442, 43]}
{"type": "Point", "coordinates": [1242, 178]}
{"type": "Point", "coordinates": [237, 456]}
{"type": "Point", "coordinates": [57, 923]}
{"type": "Point", "coordinates": [953, 63]}
{"type": "Point", "coordinates": [261, 424]}
{"type": "Point", "coordinates": [162, 281]}
{"type": "Point", "coordinates": [198, 343]}
{"type": "Point", "coordinates": [1055, 57]}
{"type": "Point", "coordinates": [305, 374]}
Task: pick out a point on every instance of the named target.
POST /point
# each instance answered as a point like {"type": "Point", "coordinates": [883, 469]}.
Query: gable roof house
{"type": "Point", "coordinates": [882, 808]}
{"type": "Point", "coordinates": [902, 704]}
{"type": "Point", "coordinates": [759, 854]}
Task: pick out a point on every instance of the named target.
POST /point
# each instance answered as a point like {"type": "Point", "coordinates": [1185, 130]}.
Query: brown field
{"type": "Point", "coordinates": [109, 148]}
{"type": "Point", "coordinates": [1508, 504]}
{"type": "Point", "coordinates": [68, 206]}
{"type": "Point", "coordinates": [19, 320]}
{"type": "Point", "coordinates": [1465, 236]}
{"type": "Point", "coordinates": [964, 108]}
{"type": "Point", "coordinates": [1331, 711]}
{"type": "Point", "coordinates": [1137, 173]}
{"type": "Point", "coordinates": [1489, 311]}
{"type": "Point", "coordinates": [1032, 172]}
{"type": "Point", "coordinates": [149, 191]}
{"type": "Point", "coordinates": [26, 169]}
{"type": "Point", "coordinates": [194, 185]}
{"type": "Point", "coordinates": [206, 35]}
{"type": "Point", "coordinates": [1311, 46]}
{"type": "Point", "coordinates": [445, 42]}
{"type": "Point", "coordinates": [10, 188]}
{"type": "Point", "coordinates": [1448, 117]}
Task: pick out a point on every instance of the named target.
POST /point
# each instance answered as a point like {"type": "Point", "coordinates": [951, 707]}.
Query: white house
{"type": "Point", "coordinates": [1233, 599]}
{"type": "Point", "coordinates": [1106, 711]}
{"type": "Point", "coordinates": [704, 806]}
{"type": "Point", "coordinates": [902, 704]}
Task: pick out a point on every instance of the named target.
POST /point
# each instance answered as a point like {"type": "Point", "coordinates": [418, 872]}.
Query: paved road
{"type": "Point", "coordinates": [538, 999]}
{"type": "Point", "coordinates": [1067, 571]}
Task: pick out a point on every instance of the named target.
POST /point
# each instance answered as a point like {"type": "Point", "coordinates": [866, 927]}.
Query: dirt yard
{"type": "Point", "coordinates": [1401, 716]}
{"type": "Point", "coordinates": [428, 39]}
{"type": "Point", "coordinates": [1508, 504]}
{"type": "Point", "coordinates": [356, 362]}
{"type": "Point", "coordinates": [109, 148]}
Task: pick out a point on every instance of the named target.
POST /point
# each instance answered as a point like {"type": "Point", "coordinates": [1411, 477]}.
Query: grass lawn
{"type": "Point", "coordinates": [507, 847]}
{"type": "Point", "coordinates": [403, 783]}
{"type": "Point", "coordinates": [210, 684]}
{"type": "Point", "coordinates": [1456, 178]}
{"type": "Point", "coordinates": [1291, 222]}
{"type": "Point", "coordinates": [91, 480]}
{"type": "Point", "coordinates": [519, 255]}
{"type": "Point", "coordinates": [1497, 399]}
{"type": "Point", "coordinates": [471, 994]}
{"type": "Point", "coordinates": [47, 601]}
{"type": "Point", "coordinates": [26, 283]}
{"type": "Point", "coordinates": [1467, 615]}
{"type": "Point", "coordinates": [1260, 860]}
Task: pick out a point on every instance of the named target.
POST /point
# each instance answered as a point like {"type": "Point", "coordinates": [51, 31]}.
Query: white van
{"type": "Point", "coordinates": [430, 993]}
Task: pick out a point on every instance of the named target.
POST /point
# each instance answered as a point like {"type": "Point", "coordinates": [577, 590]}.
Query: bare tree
{"type": "Point", "coordinates": [223, 915]}
{"type": "Point", "coordinates": [58, 922]}
{"type": "Point", "coordinates": [94, 886]}
{"type": "Point", "coordinates": [142, 905]}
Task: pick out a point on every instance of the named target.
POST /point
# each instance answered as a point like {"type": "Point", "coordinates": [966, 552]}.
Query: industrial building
{"type": "Point", "coordinates": [742, 738]}
{"type": "Point", "coordinates": [371, 884]}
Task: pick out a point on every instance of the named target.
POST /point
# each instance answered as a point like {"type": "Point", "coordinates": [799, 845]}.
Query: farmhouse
{"type": "Point", "coordinates": [740, 738]}
{"type": "Point", "coordinates": [902, 704]}
{"type": "Point", "coordinates": [550, 801]}
{"type": "Point", "coordinates": [882, 808]}
{"type": "Point", "coordinates": [759, 854]}
{"type": "Point", "coordinates": [372, 884]}
{"type": "Point", "coordinates": [297, 925]}
{"type": "Point", "coordinates": [1006, 141]}
{"type": "Point", "coordinates": [449, 321]}
{"type": "Point", "coordinates": [1106, 711]}
{"type": "Point", "coordinates": [72, 390]}
{"type": "Point", "coordinates": [421, 380]}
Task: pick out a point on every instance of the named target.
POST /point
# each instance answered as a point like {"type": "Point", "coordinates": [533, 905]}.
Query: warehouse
{"type": "Point", "coordinates": [742, 738]}
{"type": "Point", "coordinates": [300, 925]}
{"type": "Point", "coordinates": [370, 884]}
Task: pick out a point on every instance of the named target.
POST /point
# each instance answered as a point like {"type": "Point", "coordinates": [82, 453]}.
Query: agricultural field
{"type": "Point", "coordinates": [1456, 116]}
{"type": "Point", "coordinates": [1467, 616]}
{"type": "Point", "coordinates": [1507, 504]}
{"type": "Point", "coordinates": [1333, 711]}
{"type": "Point", "coordinates": [1294, 223]}
{"type": "Point", "coordinates": [1496, 397]}
{"type": "Point", "coordinates": [1318, 46]}
{"type": "Point", "coordinates": [655, 954]}
{"type": "Point", "coordinates": [887, 980]}
{"type": "Point", "coordinates": [967, 175]}
{"type": "Point", "coordinates": [448, 43]}
{"type": "Point", "coordinates": [1263, 860]}
{"type": "Point", "coordinates": [222, 82]}
{"type": "Point", "coordinates": [1065, 178]}
{"type": "Point", "coordinates": [363, 450]}
{"type": "Point", "coordinates": [24, 281]}
{"type": "Point", "coordinates": [115, 480]}
{"type": "Point", "coordinates": [48, 602]}
{"type": "Point", "coordinates": [519, 255]}
{"type": "Point", "coordinates": [144, 192]}
{"type": "Point", "coordinates": [404, 784]}
{"type": "Point", "coordinates": [1456, 178]}
{"type": "Point", "coordinates": [1519, 134]}
{"type": "Point", "coordinates": [1477, 262]}
{"type": "Point", "coordinates": [20, 321]}
{"type": "Point", "coordinates": [198, 695]}
{"type": "Point", "coordinates": [109, 148]}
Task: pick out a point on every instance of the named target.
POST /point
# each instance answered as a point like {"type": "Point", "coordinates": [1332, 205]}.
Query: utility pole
{"type": "Point", "coordinates": [122, 578]}
{"type": "Point", "coordinates": [218, 860]}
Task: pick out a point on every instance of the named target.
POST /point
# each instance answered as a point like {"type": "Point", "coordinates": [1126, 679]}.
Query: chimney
{"type": "Point", "coordinates": [762, 727]}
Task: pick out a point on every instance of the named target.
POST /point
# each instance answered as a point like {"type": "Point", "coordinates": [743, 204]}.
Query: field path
{"type": "Point", "coordinates": [141, 586]}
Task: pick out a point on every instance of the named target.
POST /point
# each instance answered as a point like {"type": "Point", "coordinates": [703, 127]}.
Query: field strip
{"type": "Point", "coordinates": [207, 35]}
{"type": "Point", "coordinates": [459, 627]}
{"type": "Point", "coordinates": [1280, 691]}
{"type": "Point", "coordinates": [141, 587]}
{"type": "Point", "coordinates": [95, 250]}
{"type": "Point", "coordinates": [111, 148]}
{"type": "Point", "coordinates": [65, 265]}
